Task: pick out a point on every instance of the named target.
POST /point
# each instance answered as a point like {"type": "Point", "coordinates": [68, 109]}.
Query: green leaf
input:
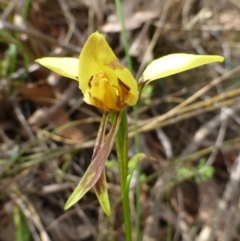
{"type": "Point", "coordinates": [200, 173]}
{"type": "Point", "coordinates": [22, 231]}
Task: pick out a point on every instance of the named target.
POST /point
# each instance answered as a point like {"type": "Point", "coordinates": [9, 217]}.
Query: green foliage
{"type": "Point", "coordinates": [201, 173]}
{"type": "Point", "coordinates": [132, 166]}
{"type": "Point", "coordinates": [111, 164]}
{"type": "Point", "coordinates": [22, 232]}
{"type": "Point", "coordinates": [146, 94]}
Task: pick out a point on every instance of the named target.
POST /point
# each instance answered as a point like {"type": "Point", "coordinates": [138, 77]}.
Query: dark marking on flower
{"type": "Point", "coordinates": [123, 94]}
{"type": "Point", "coordinates": [124, 86]}
{"type": "Point", "coordinates": [100, 185]}
{"type": "Point", "coordinates": [120, 103]}
{"type": "Point", "coordinates": [76, 77]}
{"type": "Point", "coordinates": [100, 104]}
{"type": "Point", "coordinates": [115, 65]}
{"type": "Point", "coordinates": [89, 82]}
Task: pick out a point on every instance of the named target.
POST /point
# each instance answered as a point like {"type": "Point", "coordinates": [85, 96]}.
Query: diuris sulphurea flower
{"type": "Point", "coordinates": [108, 85]}
{"type": "Point", "coordinates": [104, 82]}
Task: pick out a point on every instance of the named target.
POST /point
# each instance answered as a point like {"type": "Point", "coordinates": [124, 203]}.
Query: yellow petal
{"type": "Point", "coordinates": [102, 93]}
{"type": "Point", "coordinates": [95, 54]}
{"type": "Point", "coordinates": [127, 83]}
{"type": "Point", "coordinates": [176, 63]}
{"type": "Point", "coordinates": [67, 67]}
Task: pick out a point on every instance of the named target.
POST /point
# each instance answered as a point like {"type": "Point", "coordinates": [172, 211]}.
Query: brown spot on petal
{"type": "Point", "coordinates": [115, 65]}
{"type": "Point", "coordinates": [123, 94]}
{"type": "Point", "coordinates": [124, 86]}
{"type": "Point", "coordinates": [100, 104]}
{"type": "Point", "coordinates": [120, 104]}
{"type": "Point", "coordinates": [89, 82]}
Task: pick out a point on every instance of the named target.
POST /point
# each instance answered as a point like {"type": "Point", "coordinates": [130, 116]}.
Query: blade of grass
{"type": "Point", "coordinates": [22, 232]}
{"type": "Point", "coordinates": [26, 9]}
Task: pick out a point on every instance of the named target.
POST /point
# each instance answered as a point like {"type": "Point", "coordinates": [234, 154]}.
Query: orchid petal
{"type": "Point", "coordinates": [67, 67]}
{"type": "Point", "coordinates": [176, 63]}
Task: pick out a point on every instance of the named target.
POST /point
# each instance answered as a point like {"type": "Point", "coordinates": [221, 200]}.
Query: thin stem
{"type": "Point", "coordinates": [25, 9]}
{"type": "Point", "coordinates": [123, 149]}
{"type": "Point", "coordinates": [122, 137]}
{"type": "Point", "coordinates": [124, 34]}
{"type": "Point", "coordinates": [122, 154]}
{"type": "Point", "coordinates": [138, 187]}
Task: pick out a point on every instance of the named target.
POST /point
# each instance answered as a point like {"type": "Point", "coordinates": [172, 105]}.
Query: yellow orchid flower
{"type": "Point", "coordinates": [104, 82]}
{"type": "Point", "coordinates": [108, 85]}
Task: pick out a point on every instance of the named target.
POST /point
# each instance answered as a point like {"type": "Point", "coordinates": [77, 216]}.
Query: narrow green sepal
{"type": "Point", "coordinates": [102, 193]}
{"type": "Point", "coordinates": [89, 179]}
{"type": "Point", "coordinates": [96, 167]}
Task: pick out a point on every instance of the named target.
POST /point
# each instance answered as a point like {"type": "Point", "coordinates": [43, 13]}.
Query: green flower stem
{"type": "Point", "coordinates": [138, 187]}
{"type": "Point", "coordinates": [122, 137]}
{"type": "Point", "coordinates": [122, 154]}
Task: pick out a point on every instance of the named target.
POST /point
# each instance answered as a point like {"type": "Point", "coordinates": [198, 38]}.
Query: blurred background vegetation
{"type": "Point", "coordinates": [191, 191]}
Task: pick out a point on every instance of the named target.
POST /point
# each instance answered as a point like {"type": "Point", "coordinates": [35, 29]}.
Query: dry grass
{"type": "Point", "coordinates": [47, 132]}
